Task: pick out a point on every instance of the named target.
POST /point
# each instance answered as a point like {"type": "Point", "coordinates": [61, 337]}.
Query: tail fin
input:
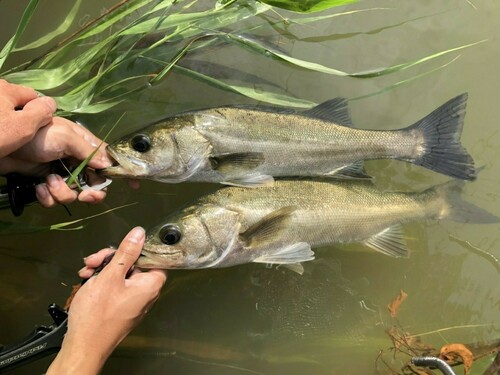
{"type": "Point", "coordinates": [443, 151]}
{"type": "Point", "coordinates": [462, 211]}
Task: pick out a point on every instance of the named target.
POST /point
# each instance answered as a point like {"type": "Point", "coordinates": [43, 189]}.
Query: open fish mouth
{"type": "Point", "coordinates": [123, 166]}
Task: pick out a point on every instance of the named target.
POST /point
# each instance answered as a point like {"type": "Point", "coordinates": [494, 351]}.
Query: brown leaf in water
{"type": "Point", "coordinates": [396, 303]}
{"type": "Point", "coordinates": [454, 352]}
{"type": "Point", "coordinates": [75, 289]}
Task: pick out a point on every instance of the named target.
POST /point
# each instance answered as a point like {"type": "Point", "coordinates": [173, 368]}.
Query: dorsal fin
{"type": "Point", "coordinates": [333, 110]}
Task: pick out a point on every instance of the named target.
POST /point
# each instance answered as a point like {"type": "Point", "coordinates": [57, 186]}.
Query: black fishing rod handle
{"type": "Point", "coordinates": [21, 190]}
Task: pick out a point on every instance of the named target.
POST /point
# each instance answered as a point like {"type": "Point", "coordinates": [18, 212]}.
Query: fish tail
{"type": "Point", "coordinates": [459, 210]}
{"type": "Point", "coordinates": [441, 149]}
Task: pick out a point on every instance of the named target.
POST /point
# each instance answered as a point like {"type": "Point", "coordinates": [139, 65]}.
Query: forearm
{"type": "Point", "coordinates": [78, 359]}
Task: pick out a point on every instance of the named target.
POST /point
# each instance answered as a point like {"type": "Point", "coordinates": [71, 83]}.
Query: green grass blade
{"type": "Point", "coordinates": [404, 82]}
{"type": "Point", "coordinates": [250, 92]}
{"type": "Point", "coordinates": [396, 68]}
{"type": "Point", "coordinates": [73, 178]}
{"type": "Point", "coordinates": [302, 6]}
{"type": "Point", "coordinates": [25, 19]}
{"type": "Point", "coordinates": [12, 228]}
{"type": "Point", "coordinates": [65, 225]}
{"type": "Point", "coordinates": [267, 50]}
{"type": "Point", "coordinates": [61, 29]}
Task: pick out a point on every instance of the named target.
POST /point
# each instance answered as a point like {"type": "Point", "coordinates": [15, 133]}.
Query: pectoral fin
{"type": "Point", "coordinates": [235, 163]}
{"type": "Point", "coordinates": [268, 229]}
{"type": "Point", "coordinates": [290, 255]}
{"type": "Point", "coordinates": [389, 242]}
{"type": "Point", "coordinates": [354, 171]}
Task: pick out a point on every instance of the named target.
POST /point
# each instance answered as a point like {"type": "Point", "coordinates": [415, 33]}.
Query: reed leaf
{"type": "Point", "coordinates": [25, 19]}
{"type": "Point", "coordinates": [61, 29]}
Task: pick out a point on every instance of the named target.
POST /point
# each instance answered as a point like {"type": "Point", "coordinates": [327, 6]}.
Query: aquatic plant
{"type": "Point", "coordinates": [134, 45]}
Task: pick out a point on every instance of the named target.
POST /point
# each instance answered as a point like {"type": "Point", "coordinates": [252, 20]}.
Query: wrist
{"type": "Point", "coordinates": [77, 359]}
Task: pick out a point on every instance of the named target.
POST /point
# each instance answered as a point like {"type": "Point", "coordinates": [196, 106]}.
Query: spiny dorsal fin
{"type": "Point", "coordinates": [333, 110]}
{"type": "Point", "coordinates": [269, 228]}
{"type": "Point", "coordinates": [290, 255]}
{"type": "Point", "coordinates": [390, 242]}
{"type": "Point", "coordinates": [354, 171]}
{"type": "Point", "coordinates": [236, 162]}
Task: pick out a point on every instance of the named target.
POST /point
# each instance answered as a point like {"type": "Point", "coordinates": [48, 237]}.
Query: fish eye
{"type": "Point", "coordinates": [141, 143]}
{"type": "Point", "coordinates": [170, 234]}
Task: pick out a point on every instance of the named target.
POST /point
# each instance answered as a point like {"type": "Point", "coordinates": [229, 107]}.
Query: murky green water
{"type": "Point", "coordinates": [332, 320]}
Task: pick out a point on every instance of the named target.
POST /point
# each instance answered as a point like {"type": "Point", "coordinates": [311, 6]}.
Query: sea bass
{"type": "Point", "coordinates": [249, 146]}
{"type": "Point", "coordinates": [280, 224]}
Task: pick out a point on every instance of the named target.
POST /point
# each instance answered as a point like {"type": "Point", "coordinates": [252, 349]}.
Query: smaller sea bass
{"type": "Point", "coordinates": [249, 146]}
{"type": "Point", "coordinates": [281, 223]}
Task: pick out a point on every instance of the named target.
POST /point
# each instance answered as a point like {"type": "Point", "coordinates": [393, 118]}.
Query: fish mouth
{"type": "Point", "coordinates": [123, 166]}
{"type": "Point", "coordinates": [145, 262]}
{"type": "Point", "coordinates": [148, 260]}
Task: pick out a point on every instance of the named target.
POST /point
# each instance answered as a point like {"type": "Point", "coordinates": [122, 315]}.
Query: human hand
{"type": "Point", "coordinates": [107, 307]}
{"type": "Point", "coordinates": [31, 138]}
{"type": "Point", "coordinates": [22, 113]}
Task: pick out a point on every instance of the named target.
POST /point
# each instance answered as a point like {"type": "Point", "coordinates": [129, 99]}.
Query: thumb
{"type": "Point", "coordinates": [37, 112]}
{"type": "Point", "coordinates": [127, 253]}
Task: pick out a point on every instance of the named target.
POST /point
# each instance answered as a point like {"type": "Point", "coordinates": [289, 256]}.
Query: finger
{"type": "Point", "coordinates": [20, 127]}
{"type": "Point", "coordinates": [37, 113]}
{"type": "Point", "coordinates": [92, 196]}
{"type": "Point", "coordinates": [128, 252]}
{"type": "Point", "coordinates": [95, 260]}
{"type": "Point", "coordinates": [59, 190]}
{"type": "Point", "coordinates": [86, 272]}
{"type": "Point", "coordinates": [84, 144]}
{"type": "Point", "coordinates": [44, 197]}
{"type": "Point", "coordinates": [15, 95]}
{"type": "Point", "coordinates": [155, 278]}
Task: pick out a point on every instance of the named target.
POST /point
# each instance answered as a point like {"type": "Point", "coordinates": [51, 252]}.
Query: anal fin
{"type": "Point", "coordinates": [354, 171]}
{"type": "Point", "coordinates": [390, 242]}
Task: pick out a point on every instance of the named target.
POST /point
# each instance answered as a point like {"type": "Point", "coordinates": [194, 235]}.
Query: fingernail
{"type": "Point", "coordinates": [136, 235]}
{"type": "Point", "coordinates": [89, 257]}
{"type": "Point", "coordinates": [82, 269]}
{"type": "Point", "coordinates": [53, 180]}
{"type": "Point", "coordinates": [41, 191]}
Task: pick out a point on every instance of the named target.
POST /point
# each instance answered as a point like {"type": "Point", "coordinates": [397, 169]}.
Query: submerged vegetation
{"type": "Point", "coordinates": [136, 43]}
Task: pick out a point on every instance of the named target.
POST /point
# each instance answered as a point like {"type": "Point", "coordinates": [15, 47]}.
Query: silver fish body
{"type": "Point", "coordinates": [249, 146]}
{"type": "Point", "coordinates": [281, 223]}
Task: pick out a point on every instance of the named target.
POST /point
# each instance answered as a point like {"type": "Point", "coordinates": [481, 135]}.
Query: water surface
{"type": "Point", "coordinates": [332, 320]}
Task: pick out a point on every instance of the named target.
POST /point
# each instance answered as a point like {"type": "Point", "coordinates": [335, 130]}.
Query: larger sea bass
{"type": "Point", "coordinates": [280, 224]}
{"type": "Point", "coordinates": [248, 147]}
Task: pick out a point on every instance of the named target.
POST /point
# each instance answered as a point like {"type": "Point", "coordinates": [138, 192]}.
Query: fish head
{"type": "Point", "coordinates": [197, 237]}
{"type": "Point", "coordinates": [149, 152]}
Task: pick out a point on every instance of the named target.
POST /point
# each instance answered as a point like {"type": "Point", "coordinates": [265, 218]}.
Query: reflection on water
{"type": "Point", "coordinates": [332, 320]}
